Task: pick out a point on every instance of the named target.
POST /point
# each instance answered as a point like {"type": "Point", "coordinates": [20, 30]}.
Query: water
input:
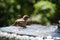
{"type": "Point", "coordinates": [49, 31]}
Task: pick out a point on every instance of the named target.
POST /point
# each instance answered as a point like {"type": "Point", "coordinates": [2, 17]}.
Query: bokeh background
{"type": "Point", "coordinates": [44, 12]}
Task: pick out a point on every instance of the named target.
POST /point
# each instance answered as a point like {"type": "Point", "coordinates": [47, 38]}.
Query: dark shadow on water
{"type": "Point", "coordinates": [56, 33]}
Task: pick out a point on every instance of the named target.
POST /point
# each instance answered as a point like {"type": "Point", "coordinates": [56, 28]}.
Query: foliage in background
{"type": "Point", "coordinates": [9, 10]}
{"type": "Point", "coordinates": [44, 12]}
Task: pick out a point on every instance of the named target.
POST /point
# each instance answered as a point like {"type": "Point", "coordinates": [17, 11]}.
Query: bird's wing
{"type": "Point", "coordinates": [19, 20]}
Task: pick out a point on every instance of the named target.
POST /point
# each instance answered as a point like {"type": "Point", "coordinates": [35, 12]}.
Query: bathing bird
{"type": "Point", "coordinates": [22, 22]}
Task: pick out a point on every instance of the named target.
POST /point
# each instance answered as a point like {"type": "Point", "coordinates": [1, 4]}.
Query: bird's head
{"type": "Point", "coordinates": [25, 17]}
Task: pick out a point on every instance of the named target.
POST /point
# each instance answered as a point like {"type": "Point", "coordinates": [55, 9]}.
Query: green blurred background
{"type": "Point", "coordinates": [40, 11]}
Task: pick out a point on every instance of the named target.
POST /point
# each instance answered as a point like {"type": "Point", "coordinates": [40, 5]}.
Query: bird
{"type": "Point", "coordinates": [22, 22]}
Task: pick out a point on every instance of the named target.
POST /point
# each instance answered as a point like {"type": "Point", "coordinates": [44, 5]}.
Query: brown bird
{"type": "Point", "coordinates": [22, 21]}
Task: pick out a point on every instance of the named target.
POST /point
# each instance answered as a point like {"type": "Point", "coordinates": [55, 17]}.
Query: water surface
{"type": "Point", "coordinates": [36, 30]}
